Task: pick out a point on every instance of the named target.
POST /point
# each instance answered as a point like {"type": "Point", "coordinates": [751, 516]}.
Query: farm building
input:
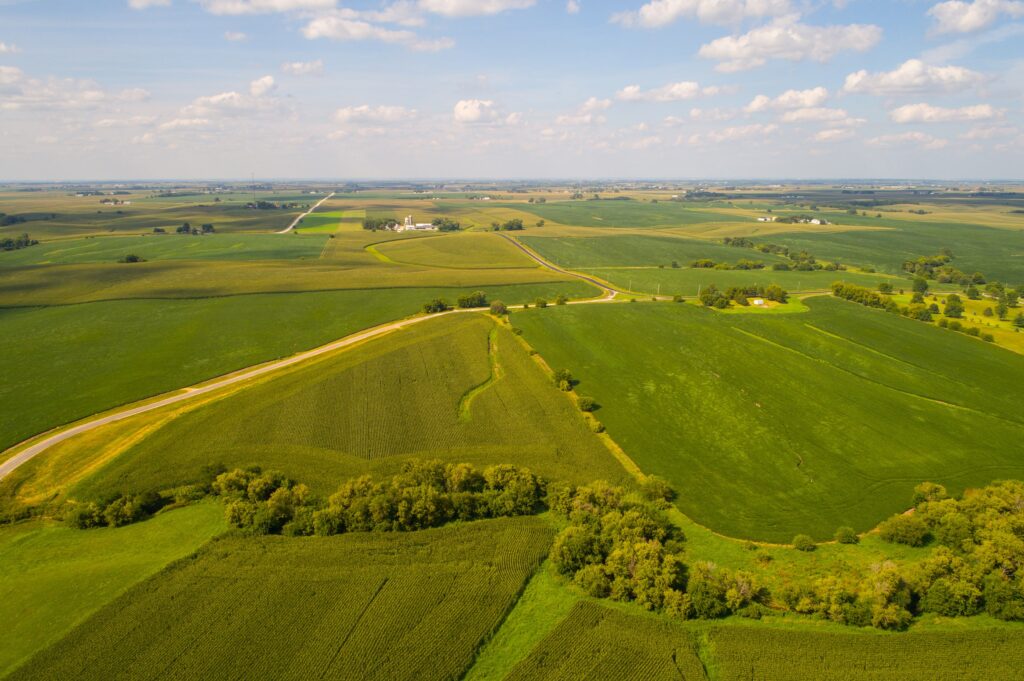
{"type": "Point", "coordinates": [766, 218]}
{"type": "Point", "coordinates": [409, 226]}
{"type": "Point", "coordinates": [759, 302]}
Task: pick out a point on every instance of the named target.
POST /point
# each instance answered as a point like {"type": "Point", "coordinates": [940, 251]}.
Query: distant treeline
{"type": "Point", "coordinates": [15, 243]}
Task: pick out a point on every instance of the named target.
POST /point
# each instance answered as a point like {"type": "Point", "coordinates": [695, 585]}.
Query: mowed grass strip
{"type": "Point", "coordinates": [774, 425]}
{"type": "Point", "coordinates": [167, 247]}
{"type": "Point", "coordinates": [413, 605]}
{"type": "Point", "coordinates": [371, 408]}
{"type": "Point", "coordinates": [54, 577]}
{"type": "Point", "coordinates": [77, 360]}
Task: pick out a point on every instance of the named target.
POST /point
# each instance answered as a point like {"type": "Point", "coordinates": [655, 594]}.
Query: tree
{"type": "Point", "coordinates": [1018, 321]}
{"type": "Point", "coordinates": [540, 223]}
{"type": "Point", "coordinates": [920, 285]}
{"type": "Point", "coordinates": [954, 306]}
{"type": "Point", "coordinates": [885, 287]}
{"type": "Point", "coordinates": [561, 299]}
{"type": "Point", "coordinates": [803, 542]}
{"type": "Point", "coordinates": [563, 379]}
{"type": "Point", "coordinates": [586, 404]}
{"type": "Point", "coordinates": [904, 529]}
{"type": "Point", "coordinates": [498, 308]}
{"type": "Point", "coordinates": [540, 302]}
{"type": "Point", "coordinates": [207, 228]}
{"type": "Point", "coordinates": [131, 257]}
{"type": "Point", "coordinates": [973, 293]}
{"type": "Point", "coordinates": [476, 299]}
{"type": "Point", "coordinates": [435, 305]}
{"type": "Point", "coordinates": [846, 535]}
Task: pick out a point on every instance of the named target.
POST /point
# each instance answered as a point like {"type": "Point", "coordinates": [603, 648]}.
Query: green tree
{"type": "Point", "coordinates": [436, 305]}
{"type": "Point", "coordinates": [803, 542]}
{"type": "Point", "coordinates": [954, 306]}
{"type": "Point", "coordinates": [498, 308]}
{"type": "Point", "coordinates": [846, 535]}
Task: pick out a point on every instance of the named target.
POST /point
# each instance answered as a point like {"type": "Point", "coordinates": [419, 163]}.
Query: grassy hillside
{"type": "Point", "coordinates": [773, 425]}
{"type": "Point", "coordinates": [457, 388]}
{"type": "Point", "coordinates": [54, 577]}
{"type": "Point", "coordinates": [368, 606]}
{"type": "Point", "coordinates": [467, 250]}
{"type": "Point", "coordinates": [76, 360]}
{"type": "Point", "coordinates": [168, 247]}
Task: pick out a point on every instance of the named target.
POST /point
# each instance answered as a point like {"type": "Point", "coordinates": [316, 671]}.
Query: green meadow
{"type": "Point", "coordinates": [689, 281]}
{"type": "Point", "coordinates": [54, 577]}
{"type": "Point", "coordinates": [470, 250]}
{"type": "Point", "coordinates": [774, 425]}
{"type": "Point", "coordinates": [627, 213]}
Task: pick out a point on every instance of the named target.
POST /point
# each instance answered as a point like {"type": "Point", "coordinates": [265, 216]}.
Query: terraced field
{"type": "Point", "coordinates": [773, 425]}
{"type": "Point", "coordinates": [367, 606]}
{"type": "Point", "coordinates": [414, 393]}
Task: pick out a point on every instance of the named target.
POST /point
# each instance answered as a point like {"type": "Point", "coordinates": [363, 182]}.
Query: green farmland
{"type": "Point", "coordinates": [132, 349]}
{"type": "Point", "coordinates": [629, 213]}
{"type": "Point", "coordinates": [638, 251]}
{"type": "Point", "coordinates": [775, 425]}
{"type": "Point", "coordinates": [55, 577]}
{"type": "Point", "coordinates": [168, 247]}
{"type": "Point", "coordinates": [367, 606]}
{"type": "Point", "coordinates": [455, 388]}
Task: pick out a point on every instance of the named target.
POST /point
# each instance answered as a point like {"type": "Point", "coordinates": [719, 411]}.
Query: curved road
{"type": "Point", "coordinates": [8, 466]}
{"type": "Point", "coordinates": [297, 221]}
{"type": "Point", "coordinates": [11, 464]}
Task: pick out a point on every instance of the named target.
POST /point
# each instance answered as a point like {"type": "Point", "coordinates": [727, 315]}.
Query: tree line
{"type": "Point", "coordinates": [17, 242]}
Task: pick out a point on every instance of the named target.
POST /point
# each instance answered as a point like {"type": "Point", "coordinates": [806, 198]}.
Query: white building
{"type": "Point", "coordinates": [409, 226]}
{"type": "Point", "coordinates": [766, 218]}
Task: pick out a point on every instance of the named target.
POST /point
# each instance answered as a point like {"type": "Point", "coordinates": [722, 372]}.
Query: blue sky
{"type": "Point", "coordinates": [116, 89]}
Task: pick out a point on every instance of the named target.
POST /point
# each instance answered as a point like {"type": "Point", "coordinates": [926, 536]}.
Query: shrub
{"type": "Point", "coordinates": [561, 299]}
{"type": "Point", "coordinates": [540, 302]}
{"type": "Point", "coordinates": [85, 516]}
{"type": "Point", "coordinates": [563, 379]}
{"type": "Point", "coordinates": [586, 404]}
{"type": "Point", "coordinates": [846, 535]}
{"type": "Point", "coordinates": [802, 542]}
{"type": "Point", "coordinates": [498, 308]}
{"type": "Point", "coordinates": [657, 489]}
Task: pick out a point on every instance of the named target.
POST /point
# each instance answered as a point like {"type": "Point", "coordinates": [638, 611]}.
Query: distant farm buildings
{"type": "Point", "coordinates": [409, 226]}
{"type": "Point", "coordinates": [794, 220]}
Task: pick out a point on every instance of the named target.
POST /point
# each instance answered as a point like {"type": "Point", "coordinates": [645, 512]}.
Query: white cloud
{"type": "Point", "coordinates": [673, 92]}
{"type": "Point", "coordinates": [340, 25]}
{"type": "Point", "coordinates": [833, 135]}
{"type": "Point", "coordinates": [10, 75]}
{"type": "Point", "coordinates": [303, 68]}
{"type": "Point", "coordinates": [470, 8]}
{"type": "Point", "coordinates": [817, 114]}
{"type": "Point", "coordinates": [235, 36]}
{"type": "Point", "coordinates": [143, 4]}
{"type": "Point", "coordinates": [132, 121]}
{"type": "Point", "coordinates": [658, 13]}
{"type": "Point", "coordinates": [236, 7]}
{"type": "Point", "coordinates": [595, 104]}
{"type": "Point", "coordinates": [790, 99]}
{"type": "Point", "coordinates": [926, 113]}
{"type": "Point", "coordinates": [913, 76]}
{"type": "Point", "coordinates": [135, 94]}
{"type": "Point", "coordinates": [474, 110]}
{"type": "Point", "coordinates": [572, 7]}
{"type": "Point", "coordinates": [698, 114]}
{"type": "Point", "coordinates": [587, 113]}
{"type": "Point", "coordinates": [736, 133]}
{"type": "Point", "coordinates": [262, 86]}
{"type": "Point", "coordinates": [374, 114]}
{"type": "Point", "coordinates": [965, 17]}
{"type": "Point", "coordinates": [787, 38]}
{"type": "Point", "coordinates": [990, 132]}
{"type": "Point", "coordinates": [923, 140]}
{"type": "Point", "coordinates": [8, 48]}
{"type": "Point", "coordinates": [185, 124]}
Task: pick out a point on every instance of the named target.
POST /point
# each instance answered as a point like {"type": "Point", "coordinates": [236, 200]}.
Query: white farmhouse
{"type": "Point", "coordinates": [766, 218]}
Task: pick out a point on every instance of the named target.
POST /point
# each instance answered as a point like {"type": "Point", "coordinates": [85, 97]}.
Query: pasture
{"type": "Point", "coordinates": [55, 577]}
{"type": "Point", "coordinates": [625, 212]}
{"type": "Point", "coordinates": [773, 425]}
{"type": "Point", "coordinates": [363, 605]}
{"type": "Point", "coordinates": [77, 360]}
{"type": "Point", "coordinates": [457, 388]}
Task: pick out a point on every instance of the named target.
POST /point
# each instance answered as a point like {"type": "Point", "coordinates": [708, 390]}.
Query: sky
{"type": "Point", "coordinates": [543, 89]}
